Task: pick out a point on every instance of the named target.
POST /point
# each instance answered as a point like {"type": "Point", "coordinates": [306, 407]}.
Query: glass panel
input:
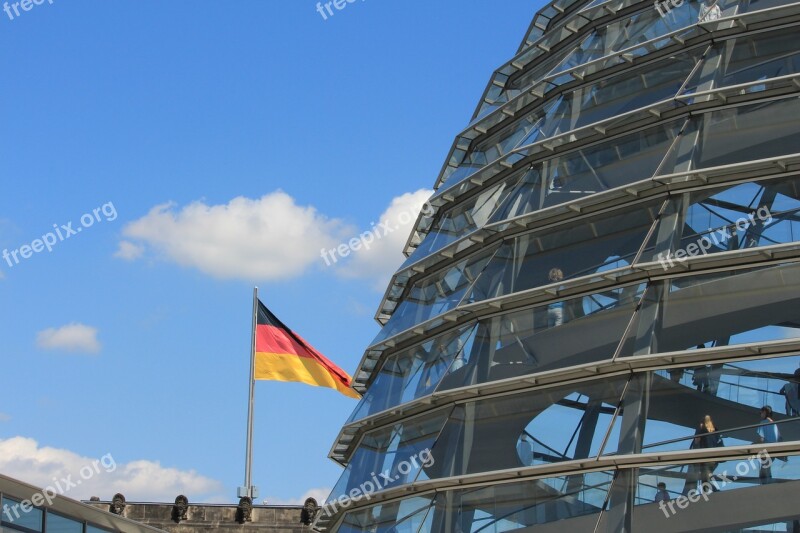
{"type": "Point", "coordinates": [784, 211]}
{"type": "Point", "coordinates": [495, 96]}
{"type": "Point", "coordinates": [750, 58]}
{"type": "Point", "coordinates": [539, 444]}
{"type": "Point", "coordinates": [526, 130]}
{"type": "Point", "coordinates": [404, 516]}
{"type": "Point", "coordinates": [523, 80]}
{"type": "Point", "coordinates": [14, 515]}
{"type": "Point", "coordinates": [485, 435]}
{"type": "Point", "coordinates": [631, 158]}
{"type": "Point", "coordinates": [731, 395]}
{"type": "Point", "coordinates": [390, 456]}
{"type": "Point", "coordinates": [627, 91]}
{"type": "Point", "coordinates": [93, 529]}
{"type": "Point", "coordinates": [721, 309]}
{"type": "Point", "coordinates": [511, 506]}
{"type": "Point", "coordinates": [791, 526]}
{"type": "Point", "coordinates": [713, 512]}
{"type": "Point", "coordinates": [772, 382]}
{"type": "Point", "coordinates": [579, 249]}
{"type": "Point", "coordinates": [413, 373]}
{"type": "Point", "coordinates": [60, 524]}
{"type": "Point", "coordinates": [736, 135]}
{"type": "Point", "coordinates": [592, 4]}
{"type": "Point", "coordinates": [621, 93]}
{"type": "Point", "coordinates": [504, 88]}
{"type": "Point", "coordinates": [460, 221]}
{"type": "Point", "coordinates": [573, 332]}
{"type": "Point", "coordinates": [604, 99]}
{"type": "Point", "coordinates": [434, 295]}
{"type": "Point", "coordinates": [756, 5]}
{"type": "Point", "coordinates": [457, 188]}
{"type": "Point", "coordinates": [731, 218]}
{"type": "Point", "coordinates": [462, 170]}
{"type": "Point", "coordinates": [625, 33]}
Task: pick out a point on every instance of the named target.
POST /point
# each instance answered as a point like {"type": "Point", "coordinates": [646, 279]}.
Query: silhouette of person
{"type": "Point", "coordinates": [555, 312]}
{"type": "Point", "coordinates": [709, 10]}
{"type": "Point", "coordinates": [662, 495]}
{"type": "Point", "coordinates": [767, 433]}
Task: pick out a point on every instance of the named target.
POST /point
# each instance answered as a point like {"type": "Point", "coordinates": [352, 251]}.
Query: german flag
{"type": "Point", "coordinates": [282, 355]}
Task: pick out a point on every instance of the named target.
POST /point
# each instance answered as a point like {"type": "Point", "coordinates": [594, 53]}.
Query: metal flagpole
{"type": "Point", "coordinates": [249, 489]}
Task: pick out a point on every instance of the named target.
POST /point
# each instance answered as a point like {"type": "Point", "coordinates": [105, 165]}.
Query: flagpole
{"type": "Point", "coordinates": [248, 485]}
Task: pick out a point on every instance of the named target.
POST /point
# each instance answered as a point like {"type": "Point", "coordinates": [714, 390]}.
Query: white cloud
{"type": "Point", "coordinates": [129, 251]}
{"type": "Point", "coordinates": [385, 255]}
{"type": "Point", "coordinates": [24, 459]}
{"type": "Point", "coordinates": [319, 494]}
{"type": "Point", "coordinates": [270, 238]}
{"type": "Point", "coordinates": [72, 338]}
{"type": "Point", "coordinates": [4, 417]}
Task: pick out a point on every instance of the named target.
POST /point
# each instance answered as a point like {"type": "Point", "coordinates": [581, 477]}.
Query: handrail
{"type": "Point", "coordinates": [719, 432]}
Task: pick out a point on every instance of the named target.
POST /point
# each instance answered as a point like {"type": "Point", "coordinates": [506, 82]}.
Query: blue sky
{"type": "Point", "coordinates": [228, 143]}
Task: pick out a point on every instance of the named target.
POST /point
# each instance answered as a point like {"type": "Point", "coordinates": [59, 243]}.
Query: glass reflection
{"type": "Point", "coordinates": [637, 35]}
{"type": "Point", "coordinates": [735, 483]}
{"type": "Point", "coordinates": [404, 516]}
{"type": "Point", "coordinates": [545, 338]}
{"type": "Point", "coordinates": [628, 159]}
{"type": "Point", "coordinates": [754, 5]}
{"type": "Point", "coordinates": [589, 171]}
{"type": "Point", "coordinates": [624, 33]}
{"type": "Point", "coordinates": [657, 493]}
{"type": "Point", "coordinates": [624, 92]}
{"type": "Point", "coordinates": [628, 34]}
{"type": "Point", "coordinates": [721, 309]}
{"type": "Point", "coordinates": [413, 373]}
{"type": "Point", "coordinates": [499, 508]}
{"type": "Point", "coordinates": [723, 219]}
{"type": "Point", "coordinates": [61, 524]}
{"type": "Point", "coordinates": [577, 249]}
{"type": "Point", "coordinates": [634, 89]}
{"type": "Point", "coordinates": [727, 218]}
{"type": "Point", "coordinates": [730, 394]}
{"type": "Point", "coordinates": [434, 295]}
{"type": "Point", "coordinates": [651, 412]}
{"type": "Point", "coordinates": [485, 435]}
{"type": "Point", "coordinates": [93, 529]}
{"type": "Point", "coordinates": [521, 343]}
{"type": "Point", "coordinates": [399, 452]}
{"type": "Point", "coordinates": [11, 509]}
{"type": "Point", "coordinates": [747, 59]}
{"type": "Point", "coordinates": [736, 135]}
{"type": "Point", "coordinates": [508, 507]}
{"type": "Point", "coordinates": [461, 220]}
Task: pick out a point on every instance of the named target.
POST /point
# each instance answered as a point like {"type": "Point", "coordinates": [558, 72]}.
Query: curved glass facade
{"type": "Point", "coordinates": [606, 296]}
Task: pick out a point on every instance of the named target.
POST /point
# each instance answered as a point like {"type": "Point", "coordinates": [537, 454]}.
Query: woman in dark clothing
{"type": "Point", "coordinates": [705, 437]}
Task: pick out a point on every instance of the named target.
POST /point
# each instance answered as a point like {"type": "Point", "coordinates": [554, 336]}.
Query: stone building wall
{"type": "Point", "coordinates": [212, 517]}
